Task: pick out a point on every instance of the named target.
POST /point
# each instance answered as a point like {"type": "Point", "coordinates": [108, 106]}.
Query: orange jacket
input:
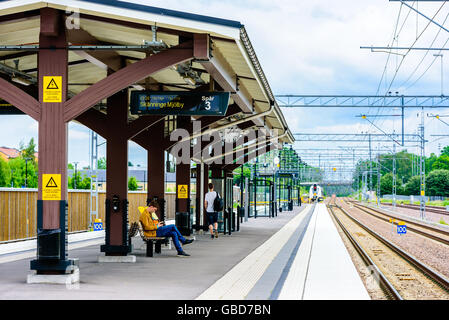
{"type": "Point", "coordinates": [149, 224]}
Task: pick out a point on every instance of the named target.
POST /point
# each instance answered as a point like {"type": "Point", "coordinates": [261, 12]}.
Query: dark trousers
{"type": "Point", "coordinates": [173, 232]}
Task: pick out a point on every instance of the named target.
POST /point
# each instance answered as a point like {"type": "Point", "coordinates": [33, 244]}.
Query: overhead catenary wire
{"type": "Point", "coordinates": [407, 52]}
{"type": "Point", "coordinates": [394, 36]}
{"type": "Point", "coordinates": [426, 53]}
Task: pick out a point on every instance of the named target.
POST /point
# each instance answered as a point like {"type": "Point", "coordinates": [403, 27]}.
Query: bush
{"type": "Point", "coordinates": [81, 183]}
{"type": "Point", "coordinates": [437, 183]}
{"type": "Point", "coordinates": [412, 186]}
{"type": "Point", "coordinates": [132, 184]}
{"type": "Point", "coordinates": [5, 174]}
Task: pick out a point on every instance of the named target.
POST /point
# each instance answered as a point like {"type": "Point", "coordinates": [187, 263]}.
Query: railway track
{"type": "Point", "coordinates": [400, 275]}
{"type": "Point", "coordinates": [419, 228]}
{"type": "Point", "coordinates": [416, 207]}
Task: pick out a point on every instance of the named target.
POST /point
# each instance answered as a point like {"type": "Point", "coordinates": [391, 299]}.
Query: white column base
{"type": "Point", "coordinates": [117, 259]}
{"type": "Point", "coordinates": [70, 278]}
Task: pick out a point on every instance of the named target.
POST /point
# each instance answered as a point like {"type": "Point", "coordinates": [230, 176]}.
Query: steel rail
{"type": "Point", "coordinates": [428, 235]}
{"type": "Point", "coordinates": [385, 285]}
{"type": "Point", "coordinates": [415, 207]}
{"type": "Point", "coordinates": [432, 274]}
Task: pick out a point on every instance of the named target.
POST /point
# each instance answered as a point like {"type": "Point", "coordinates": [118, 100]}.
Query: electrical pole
{"type": "Point", "coordinates": [422, 168]}
{"type": "Point", "coordinates": [378, 180]}
{"type": "Point", "coordinates": [394, 176]}
{"type": "Point", "coordinates": [370, 167]}
{"type": "Point", "coordinates": [402, 114]}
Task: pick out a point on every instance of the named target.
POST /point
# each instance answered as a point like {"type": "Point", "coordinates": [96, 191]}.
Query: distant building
{"type": "Point", "coordinates": [11, 153]}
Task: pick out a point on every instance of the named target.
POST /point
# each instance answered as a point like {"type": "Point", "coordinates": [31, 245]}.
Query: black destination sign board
{"type": "Point", "coordinates": [7, 108]}
{"type": "Point", "coordinates": [179, 102]}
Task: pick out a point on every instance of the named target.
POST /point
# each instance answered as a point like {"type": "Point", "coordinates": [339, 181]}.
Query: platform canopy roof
{"type": "Point", "coordinates": [119, 23]}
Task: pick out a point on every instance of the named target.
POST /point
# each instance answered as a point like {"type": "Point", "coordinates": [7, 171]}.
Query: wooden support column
{"type": "Point", "coordinates": [52, 188]}
{"type": "Point", "coordinates": [117, 176]}
{"type": "Point", "coordinates": [52, 127]}
{"type": "Point", "coordinates": [201, 223]}
{"type": "Point", "coordinates": [183, 174]}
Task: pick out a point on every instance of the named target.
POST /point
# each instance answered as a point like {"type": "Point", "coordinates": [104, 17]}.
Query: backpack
{"type": "Point", "coordinates": [218, 203]}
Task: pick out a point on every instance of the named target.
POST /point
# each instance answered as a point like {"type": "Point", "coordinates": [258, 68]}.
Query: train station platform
{"type": "Point", "coordinates": [264, 260]}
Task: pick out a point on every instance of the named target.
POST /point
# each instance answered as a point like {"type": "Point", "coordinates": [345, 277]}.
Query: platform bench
{"type": "Point", "coordinates": [136, 227]}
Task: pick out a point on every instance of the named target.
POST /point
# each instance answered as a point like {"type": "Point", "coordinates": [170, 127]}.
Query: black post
{"type": "Point", "coordinates": [26, 171]}
{"type": "Point", "coordinates": [239, 214]}
{"type": "Point", "coordinates": [229, 220]}
{"type": "Point", "coordinates": [255, 198]}
{"type": "Point", "coordinates": [74, 180]}
{"type": "Point", "coordinates": [224, 221]}
{"type": "Point", "coordinates": [241, 190]}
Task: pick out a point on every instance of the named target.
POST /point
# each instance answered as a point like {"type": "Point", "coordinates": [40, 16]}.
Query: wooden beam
{"type": "Point", "coordinates": [94, 120]}
{"type": "Point", "coordinates": [49, 22]}
{"type": "Point", "coordinates": [201, 44]}
{"type": "Point", "coordinates": [102, 59]}
{"type": "Point", "coordinates": [124, 78]}
{"type": "Point", "coordinates": [21, 16]}
{"type": "Point", "coordinates": [141, 124]}
{"type": "Point", "coordinates": [20, 99]}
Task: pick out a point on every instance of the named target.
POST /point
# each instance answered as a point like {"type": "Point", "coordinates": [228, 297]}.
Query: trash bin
{"type": "Point", "coordinates": [48, 244]}
{"type": "Point", "coordinates": [184, 223]}
{"type": "Point", "coordinates": [290, 206]}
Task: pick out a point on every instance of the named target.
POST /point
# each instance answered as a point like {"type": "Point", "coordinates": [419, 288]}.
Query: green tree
{"type": "Point", "coordinates": [437, 183]}
{"type": "Point", "coordinates": [441, 163]}
{"type": "Point", "coordinates": [78, 182]}
{"type": "Point", "coordinates": [430, 161]}
{"type": "Point", "coordinates": [85, 183]}
{"type": "Point", "coordinates": [70, 166]}
{"type": "Point", "coordinates": [445, 150]}
{"type": "Point", "coordinates": [132, 184]}
{"type": "Point", "coordinates": [19, 168]}
{"type": "Point", "coordinates": [412, 187]}
{"type": "Point", "coordinates": [386, 184]}
{"type": "Point", "coordinates": [238, 173]}
{"type": "Point", "coordinates": [28, 151]}
{"type": "Point", "coordinates": [5, 173]}
{"type": "Point", "coordinates": [101, 163]}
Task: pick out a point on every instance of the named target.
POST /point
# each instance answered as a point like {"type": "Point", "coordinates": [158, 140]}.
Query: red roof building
{"type": "Point", "coordinates": [11, 153]}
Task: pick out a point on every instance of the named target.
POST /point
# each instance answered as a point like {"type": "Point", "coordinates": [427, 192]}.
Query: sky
{"type": "Point", "coordinates": [313, 47]}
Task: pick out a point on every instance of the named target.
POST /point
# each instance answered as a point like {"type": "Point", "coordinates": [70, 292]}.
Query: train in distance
{"type": "Point", "coordinates": [315, 193]}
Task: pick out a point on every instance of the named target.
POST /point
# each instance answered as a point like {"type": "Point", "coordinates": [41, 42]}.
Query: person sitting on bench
{"type": "Point", "coordinates": [153, 228]}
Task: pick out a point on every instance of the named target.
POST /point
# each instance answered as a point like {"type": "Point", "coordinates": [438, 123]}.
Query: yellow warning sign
{"type": "Point", "coordinates": [51, 187]}
{"type": "Point", "coordinates": [52, 86]}
{"type": "Point", "coordinates": [183, 191]}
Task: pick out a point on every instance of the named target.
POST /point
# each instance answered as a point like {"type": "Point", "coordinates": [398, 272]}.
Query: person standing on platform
{"type": "Point", "coordinates": [212, 215]}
